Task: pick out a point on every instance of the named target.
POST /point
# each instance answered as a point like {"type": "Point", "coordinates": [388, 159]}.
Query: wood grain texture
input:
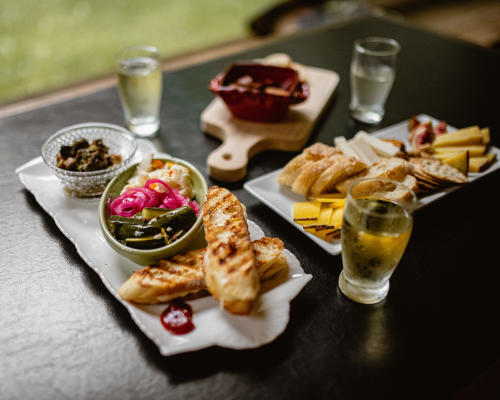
{"type": "Point", "coordinates": [244, 139]}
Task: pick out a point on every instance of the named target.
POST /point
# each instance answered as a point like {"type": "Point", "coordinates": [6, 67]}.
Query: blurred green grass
{"type": "Point", "coordinates": [49, 44]}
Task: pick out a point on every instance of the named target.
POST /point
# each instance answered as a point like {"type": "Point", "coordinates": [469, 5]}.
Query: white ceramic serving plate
{"type": "Point", "coordinates": [281, 199]}
{"type": "Point", "coordinates": [78, 221]}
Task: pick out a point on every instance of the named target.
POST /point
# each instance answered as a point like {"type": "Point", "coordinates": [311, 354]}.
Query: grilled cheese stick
{"type": "Point", "coordinates": [229, 264]}
{"type": "Point", "coordinates": [182, 275]}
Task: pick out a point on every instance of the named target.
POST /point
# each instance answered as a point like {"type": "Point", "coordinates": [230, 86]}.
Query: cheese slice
{"type": "Point", "coordinates": [444, 156]}
{"type": "Point", "coordinates": [359, 153]}
{"type": "Point", "coordinates": [325, 214]}
{"type": "Point", "coordinates": [320, 218]}
{"type": "Point", "coordinates": [306, 212]}
{"type": "Point", "coordinates": [344, 147]}
{"type": "Point", "coordinates": [331, 203]}
{"type": "Point", "coordinates": [462, 137]}
{"type": "Point", "coordinates": [327, 196]}
{"type": "Point", "coordinates": [479, 164]}
{"type": "Point", "coordinates": [485, 133]}
{"type": "Point", "coordinates": [369, 157]}
{"type": "Point", "coordinates": [459, 161]}
{"type": "Point", "coordinates": [474, 151]}
{"type": "Point", "coordinates": [380, 147]}
{"type": "Point", "coordinates": [336, 218]}
{"type": "Point", "coordinates": [324, 219]}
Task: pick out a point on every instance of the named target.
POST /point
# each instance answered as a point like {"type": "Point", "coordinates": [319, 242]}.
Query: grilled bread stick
{"type": "Point", "coordinates": [229, 265]}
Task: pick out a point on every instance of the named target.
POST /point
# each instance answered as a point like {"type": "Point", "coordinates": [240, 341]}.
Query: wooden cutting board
{"type": "Point", "coordinates": [243, 139]}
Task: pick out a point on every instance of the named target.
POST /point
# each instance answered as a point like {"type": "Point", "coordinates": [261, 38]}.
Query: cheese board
{"type": "Point", "coordinates": [281, 199]}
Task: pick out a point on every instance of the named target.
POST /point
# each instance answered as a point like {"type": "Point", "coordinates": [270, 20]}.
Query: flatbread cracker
{"type": "Point", "coordinates": [438, 170]}
{"type": "Point", "coordinates": [422, 177]}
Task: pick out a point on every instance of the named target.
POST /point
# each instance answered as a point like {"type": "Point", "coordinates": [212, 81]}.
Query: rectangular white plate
{"type": "Point", "coordinates": [281, 199]}
{"type": "Point", "coordinates": [78, 221]}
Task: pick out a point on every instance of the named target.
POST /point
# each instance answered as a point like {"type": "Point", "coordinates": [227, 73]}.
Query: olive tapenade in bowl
{"type": "Point", "coordinates": [85, 157]}
{"type": "Point", "coordinates": [152, 210]}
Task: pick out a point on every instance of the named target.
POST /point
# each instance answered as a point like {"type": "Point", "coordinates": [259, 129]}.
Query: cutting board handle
{"type": "Point", "coordinates": [229, 161]}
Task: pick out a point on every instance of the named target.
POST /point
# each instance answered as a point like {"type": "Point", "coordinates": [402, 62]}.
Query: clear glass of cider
{"type": "Point", "coordinates": [376, 227]}
{"type": "Point", "coordinates": [140, 86]}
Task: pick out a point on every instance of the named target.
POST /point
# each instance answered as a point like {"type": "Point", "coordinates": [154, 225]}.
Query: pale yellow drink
{"type": "Point", "coordinates": [375, 233]}
{"type": "Point", "coordinates": [140, 85]}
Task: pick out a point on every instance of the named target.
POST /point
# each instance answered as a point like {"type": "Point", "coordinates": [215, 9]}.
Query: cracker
{"type": "Point", "coordinates": [438, 170]}
{"type": "Point", "coordinates": [425, 183]}
{"type": "Point", "coordinates": [410, 181]}
{"type": "Point", "coordinates": [430, 181]}
{"type": "Point", "coordinates": [427, 186]}
{"type": "Point", "coordinates": [424, 188]}
{"type": "Point", "coordinates": [433, 179]}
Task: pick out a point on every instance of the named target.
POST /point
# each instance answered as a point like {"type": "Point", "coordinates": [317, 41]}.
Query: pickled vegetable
{"type": "Point", "coordinates": [153, 227]}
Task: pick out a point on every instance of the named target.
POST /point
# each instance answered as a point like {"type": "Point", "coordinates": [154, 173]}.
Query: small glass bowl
{"type": "Point", "coordinates": [90, 184]}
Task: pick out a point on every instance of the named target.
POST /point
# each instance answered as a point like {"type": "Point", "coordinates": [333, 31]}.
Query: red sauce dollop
{"type": "Point", "coordinates": [177, 318]}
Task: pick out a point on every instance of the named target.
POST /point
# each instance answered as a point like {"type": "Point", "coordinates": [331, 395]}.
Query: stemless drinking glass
{"type": "Point", "coordinates": [373, 70]}
{"type": "Point", "coordinates": [140, 82]}
{"type": "Point", "coordinates": [376, 227]}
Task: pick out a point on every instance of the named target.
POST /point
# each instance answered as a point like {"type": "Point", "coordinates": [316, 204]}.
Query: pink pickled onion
{"type": "Point", "coordinates": [173, 199]}
{"type": "Point", "coordinates": [150, 196]}
{"type": "Point", "coordinates": [134, 200]}
{"type": "Point", "coordinates": [162, 183]}
{"type": "Point", "coordinates": [196, 208]}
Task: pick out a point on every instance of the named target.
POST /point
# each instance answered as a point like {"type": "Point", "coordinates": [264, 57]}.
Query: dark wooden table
{"type": "Point", "coordinates": [436, 336]}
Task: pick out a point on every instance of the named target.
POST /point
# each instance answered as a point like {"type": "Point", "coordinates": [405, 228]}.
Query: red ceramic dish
{"type": "Point", "coordinates": [259, 92]}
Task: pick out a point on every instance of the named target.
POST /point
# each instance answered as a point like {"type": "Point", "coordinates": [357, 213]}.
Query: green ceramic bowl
{"type": "Point", "coordinates": [145, 257]}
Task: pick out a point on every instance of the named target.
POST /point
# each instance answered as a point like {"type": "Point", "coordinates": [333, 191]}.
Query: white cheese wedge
{"type": "Point", "coordinates": [361, 155]}
{"type": "Point", "coordinates": [344, 147]}
{"type": "Point", "coordinates": [365, 148]}
{"type": "Point", "coordinates": [380, 147]}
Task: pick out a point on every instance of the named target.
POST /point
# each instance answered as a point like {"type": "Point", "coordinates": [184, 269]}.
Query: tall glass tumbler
{"type": "Point", "coordinates": [376, 227]}
{"type": "Point", "coordinates": [373, 69]}
{"type": "Point", "coordinates": [140, 86]}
